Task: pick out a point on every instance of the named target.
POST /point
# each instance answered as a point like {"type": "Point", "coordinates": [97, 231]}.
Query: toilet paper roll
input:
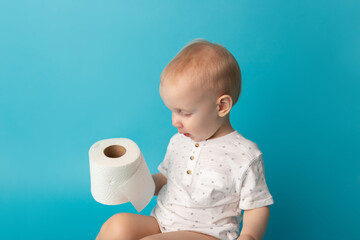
{"type": "Point", "coordinates": [119, 174]}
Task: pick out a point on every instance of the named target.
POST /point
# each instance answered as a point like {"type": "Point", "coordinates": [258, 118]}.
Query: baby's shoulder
{"type": "Point", "coordinates": [240, 149]}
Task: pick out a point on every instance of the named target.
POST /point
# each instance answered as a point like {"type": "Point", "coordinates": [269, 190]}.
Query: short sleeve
{"type": "Point", "coordinates": [164, 165]}
{"type": "Point", "coordinates": [254, 192]}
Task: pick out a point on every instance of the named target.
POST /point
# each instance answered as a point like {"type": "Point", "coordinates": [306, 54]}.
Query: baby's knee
{"type": "Point", "coordinates": [117, 227]}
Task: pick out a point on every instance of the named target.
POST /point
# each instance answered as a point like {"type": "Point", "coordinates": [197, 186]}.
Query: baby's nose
{"type": "Point", "coordinates": [176, 121]}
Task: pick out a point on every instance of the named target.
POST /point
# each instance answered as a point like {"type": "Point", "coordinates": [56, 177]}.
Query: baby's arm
{"type": "Point", "coordinates": [160, 180]}
{"type": "Point", "coordinates": [254, 223]}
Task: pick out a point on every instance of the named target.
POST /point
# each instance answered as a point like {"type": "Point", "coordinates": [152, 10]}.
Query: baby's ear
{"type": "Point", "coordinates": [224, 105]}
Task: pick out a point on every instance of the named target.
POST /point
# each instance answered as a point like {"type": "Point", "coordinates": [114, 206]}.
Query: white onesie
{"type": "Point", "coordinates": [209, 183]}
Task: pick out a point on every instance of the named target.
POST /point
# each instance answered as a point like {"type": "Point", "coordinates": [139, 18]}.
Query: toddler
{"type": "Point", "coordinates": [210, 172]}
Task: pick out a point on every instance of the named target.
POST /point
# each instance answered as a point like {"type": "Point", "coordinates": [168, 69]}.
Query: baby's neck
{"type": "Point", "coordinates": [225, 129]}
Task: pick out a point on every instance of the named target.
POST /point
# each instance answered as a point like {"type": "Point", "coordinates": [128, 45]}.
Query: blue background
{"type": "Point", "coordinates": [75, 72]}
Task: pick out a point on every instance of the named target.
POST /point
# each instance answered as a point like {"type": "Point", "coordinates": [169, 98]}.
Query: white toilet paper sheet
{"type": "Point", "coordinates": [119, 173]}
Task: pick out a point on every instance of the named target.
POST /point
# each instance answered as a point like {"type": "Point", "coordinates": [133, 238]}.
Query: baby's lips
{"type": "Point", "coordinates": [185, 134]}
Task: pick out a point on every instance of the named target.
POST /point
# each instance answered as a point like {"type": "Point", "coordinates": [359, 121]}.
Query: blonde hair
{"type": "Point", "coordinates": [210, 65]}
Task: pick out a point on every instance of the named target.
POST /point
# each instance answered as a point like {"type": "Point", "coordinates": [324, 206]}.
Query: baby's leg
{"type": "Point", "coordinates": [128, 226]}
{"type": "Point", "coordinates": [180, 235]}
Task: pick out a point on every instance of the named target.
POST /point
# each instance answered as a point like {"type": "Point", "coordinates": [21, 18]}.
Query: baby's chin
{"type": "Point", "coordinates": [196, 139]}
{"type": "Point", "coordinates": [190, 136]}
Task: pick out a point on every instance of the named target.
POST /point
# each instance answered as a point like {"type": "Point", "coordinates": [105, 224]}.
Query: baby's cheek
{"type": "Point", "coordinates": [187, 122]}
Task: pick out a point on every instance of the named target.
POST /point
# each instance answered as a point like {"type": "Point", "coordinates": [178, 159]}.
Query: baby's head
{"type": "Point", "coordinates": [200, 86]}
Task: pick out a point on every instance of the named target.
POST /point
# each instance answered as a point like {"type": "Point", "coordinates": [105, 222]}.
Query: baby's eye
{"type": "Point", "coordinates": [186, 114]}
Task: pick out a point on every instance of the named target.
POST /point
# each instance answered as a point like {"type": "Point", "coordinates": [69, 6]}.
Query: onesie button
{"type": "Point", "coordinates": [197, 144]}
{"type": "Point", "coordinates": [188, 171]}
{"type": "Point", "coordinates": [192, 158]}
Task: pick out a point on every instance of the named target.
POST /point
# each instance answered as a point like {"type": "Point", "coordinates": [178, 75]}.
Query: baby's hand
{"type": "Point", "coordinates": [160, 180]}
